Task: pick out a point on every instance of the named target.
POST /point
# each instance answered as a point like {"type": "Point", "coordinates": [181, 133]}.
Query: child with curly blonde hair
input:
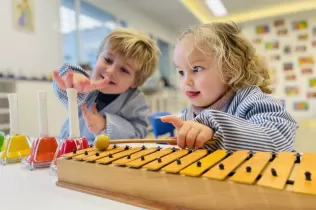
{"type": "Point", "coordinates": [110, 100]}
{"type": "Point", "coordinates": [227, 85]}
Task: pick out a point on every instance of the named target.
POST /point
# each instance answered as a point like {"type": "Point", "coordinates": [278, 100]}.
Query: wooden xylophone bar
{"type": "Point", "coordinates": [173, 178]}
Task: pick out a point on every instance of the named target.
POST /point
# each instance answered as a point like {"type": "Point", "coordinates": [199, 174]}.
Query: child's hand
{"type": "Point", "coordinates": [190, 134]}
{"type": "Point", "coordinates": [78, 81]}
{"type": "Point", "coordinates": [94, 121]}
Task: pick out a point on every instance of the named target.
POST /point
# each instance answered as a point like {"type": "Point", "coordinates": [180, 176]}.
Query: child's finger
{"type": "Point", "coordinates": [201, 139]}
{"type": "Point", "coordinates": [176, 121]}
{"type": "Point", "coordinates": [94, 109]}
{"type": "Point", "coordinates": [91, 129]}
{"type": "Point", "coordinates": [60, 82]}
{"type": "Point", "coordinates": [85, 111]}
{"type": "Point", "coordinates": [78, 86]}
{"type": "Point", "coordinates": [100, 84]}
{"type": "Point", "coordinates": [182, 135]}
{"type": "Point", "coordinates": [69, 80]}
{"type": "Point", "coordinates": [85, 86]}
{"type": "Point", "coordinates": [191, 137]}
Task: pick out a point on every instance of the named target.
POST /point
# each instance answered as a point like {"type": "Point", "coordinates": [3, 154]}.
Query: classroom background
{"type": "Point", "coordinates": [38, 36]}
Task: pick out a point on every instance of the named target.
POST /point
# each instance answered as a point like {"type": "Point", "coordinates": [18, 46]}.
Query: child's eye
{"type": "Point", "coordinates": [181, 73]}
{"type": "Point", "coordinates": [197, 68]}
{"type": "Point", "coordinates": [108, 60]}
{"type": "Point", "coordinates": [124, 70]}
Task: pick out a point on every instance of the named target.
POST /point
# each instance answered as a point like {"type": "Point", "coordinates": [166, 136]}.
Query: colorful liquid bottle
{"type": "Point", "coordinates": [14, 149]}
{"type": "Point", "coordinates": [74, 142]}
{"type": "Point", "coordinates": [44, 147]}
{"type": "Point", "coordinates": [16, 146]}
{"type": "Point", "coordinates": [2, 137]}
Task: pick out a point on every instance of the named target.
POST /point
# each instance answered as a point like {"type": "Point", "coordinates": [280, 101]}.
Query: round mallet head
{"type": "Point", "coordinates": [102, 142]}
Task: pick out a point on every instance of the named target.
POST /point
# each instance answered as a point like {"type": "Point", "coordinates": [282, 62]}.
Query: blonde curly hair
{"type": "Point", "coordinates": [238, 63]}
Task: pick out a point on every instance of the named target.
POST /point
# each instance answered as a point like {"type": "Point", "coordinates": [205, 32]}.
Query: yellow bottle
{"type": "Point", "coordinates": [15, 148]}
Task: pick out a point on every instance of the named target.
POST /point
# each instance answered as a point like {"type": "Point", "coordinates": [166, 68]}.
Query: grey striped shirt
{"type": "Point", "coordinates": [126, 116]}
{"type": "Point", "coordinates": [252, 121]}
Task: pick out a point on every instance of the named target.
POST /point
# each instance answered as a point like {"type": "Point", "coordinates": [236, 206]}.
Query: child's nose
{"type": "Point", "coordinates": [110, 69]}
{"type": "Point", "coordinates": [188, 81]}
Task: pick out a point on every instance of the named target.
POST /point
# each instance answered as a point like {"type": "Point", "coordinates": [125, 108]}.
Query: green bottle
{"type": "Point", "coordinates": [2, 136]}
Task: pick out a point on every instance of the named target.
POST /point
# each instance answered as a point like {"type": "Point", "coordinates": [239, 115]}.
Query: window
{"type": "Point", "coordinates": [68, 30]}
{"type": "Point", "coordinates": [164, 62]}
{"type": "Point", "coordinates": [94, 25]}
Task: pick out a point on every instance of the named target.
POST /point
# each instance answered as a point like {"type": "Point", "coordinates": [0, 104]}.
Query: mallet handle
{"type": "Point", "coordinates": [169, 141]}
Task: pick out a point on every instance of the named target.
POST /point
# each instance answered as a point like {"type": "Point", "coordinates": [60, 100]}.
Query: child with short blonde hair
{"type": "Point", "coordinates": [126, 59]}
{"type": "Point", "coordinates": [228, 86]}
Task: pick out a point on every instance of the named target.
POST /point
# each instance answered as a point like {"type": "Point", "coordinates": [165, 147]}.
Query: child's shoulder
{"type": "Point", "coordinates": [131, 100]}
{"type": "Point", "coordinates": [253, 95]}
{"type": "Point", "coordinates": [134, 94]}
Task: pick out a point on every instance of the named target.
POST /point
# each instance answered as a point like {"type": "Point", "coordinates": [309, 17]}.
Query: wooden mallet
{"type": "Point", "coordinates": [102, 142]}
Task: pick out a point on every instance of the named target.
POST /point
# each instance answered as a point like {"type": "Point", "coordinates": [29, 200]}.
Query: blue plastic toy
{"type": "Point", "coordinates": [159, 127]}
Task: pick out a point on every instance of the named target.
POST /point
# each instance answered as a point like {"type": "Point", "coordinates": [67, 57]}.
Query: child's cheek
{"type": "Point", "coordinates": [182, 86]}
{"type": "Point", "coordinates": [98, 66]}
{"type": "Point", "coordinates": [203, 84]}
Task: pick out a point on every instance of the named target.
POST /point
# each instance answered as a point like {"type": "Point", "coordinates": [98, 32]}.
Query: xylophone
{"type": "Point", "coordinates": [173, 178]}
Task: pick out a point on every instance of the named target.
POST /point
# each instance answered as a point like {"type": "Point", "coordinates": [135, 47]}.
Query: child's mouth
{"type": "Point", "coordinates": [192, 94]}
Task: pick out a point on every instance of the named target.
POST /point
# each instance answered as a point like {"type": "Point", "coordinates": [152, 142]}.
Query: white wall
{"type": "Point", "coordinates": [135, 19]}
{"type": "Point", "coordinates": [28, 108]}
{"type": "Point", "coordinates": [35, 52]}
{"type": "Point", "coordinates": [41, 51]}
{"type": "Point", "coordinates": [249, 30]}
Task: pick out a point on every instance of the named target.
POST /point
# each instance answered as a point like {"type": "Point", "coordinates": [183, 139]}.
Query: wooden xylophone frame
{"type": "Point", "coordinates": [227, 186]}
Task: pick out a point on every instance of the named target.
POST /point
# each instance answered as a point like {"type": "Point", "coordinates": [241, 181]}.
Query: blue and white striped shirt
{"type": "Point", "coordinates": [126, 116]}
{"type": "Point", "coordinates": [253, 121]}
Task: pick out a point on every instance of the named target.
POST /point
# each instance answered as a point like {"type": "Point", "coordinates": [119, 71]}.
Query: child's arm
{"type": "Point", "coordinates": [131, 122]}
{"type": "Point", "coordinates": [266, 127]}
{"type": "Point", "coordinates": [61, 94]}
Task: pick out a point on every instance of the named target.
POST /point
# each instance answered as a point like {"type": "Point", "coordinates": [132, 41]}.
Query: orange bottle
{"type": "Point", "coordinates": [44, 147]}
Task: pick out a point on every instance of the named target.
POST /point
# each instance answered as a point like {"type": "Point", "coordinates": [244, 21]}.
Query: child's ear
{"type": "Point", "coordinates": [134, 86]}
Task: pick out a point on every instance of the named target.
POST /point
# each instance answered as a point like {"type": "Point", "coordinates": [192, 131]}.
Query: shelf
{"type": "Point", "coordinates": [7, 86]}
{"type": "Point", "coordinates": [4, 126]}
{"type": "Point", "coordinates": [9, 80]}
{"type": "Point", "coordinates": [3, 95]}
{"type": "Point", "coordinates": [4, 111]}
{"type": "Point", "coordinates": [13, 80]}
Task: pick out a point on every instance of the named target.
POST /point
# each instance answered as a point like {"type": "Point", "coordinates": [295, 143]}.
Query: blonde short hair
{"type": "Point", "coordinates": [239, 65]}
{"type": "Point", "coordinates": [137, 46]}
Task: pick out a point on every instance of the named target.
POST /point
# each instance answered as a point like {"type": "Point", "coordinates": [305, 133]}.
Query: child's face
{"type": "Point", "coordinates": [121, 72]}
{"type": "Point", "coordinates": [199, 78]}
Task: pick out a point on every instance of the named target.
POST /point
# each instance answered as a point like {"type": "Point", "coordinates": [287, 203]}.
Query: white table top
{"type": "Point", "coordinates": [21, 189]}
